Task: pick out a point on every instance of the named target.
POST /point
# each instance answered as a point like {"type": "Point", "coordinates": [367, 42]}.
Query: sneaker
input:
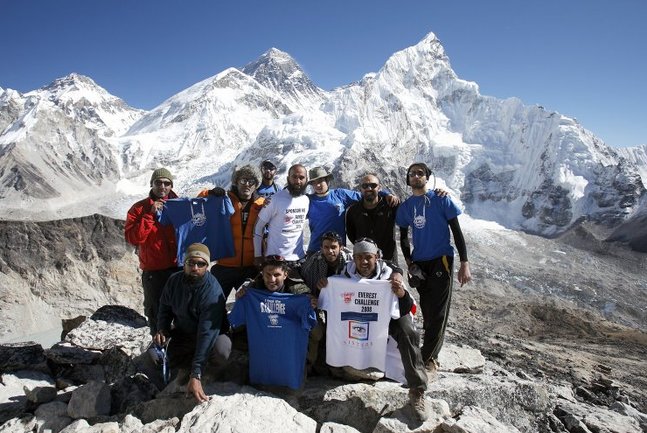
{"type": "Point", "coordinates": [417, 401]}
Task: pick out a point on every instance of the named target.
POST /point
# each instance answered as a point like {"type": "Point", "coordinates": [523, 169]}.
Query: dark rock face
{"type": "Point", "coordinates": [54, 244]}
{"type": "Point", "coordinates": [64, 268]}
{"type": "Point", "coordinates": [18, 356]}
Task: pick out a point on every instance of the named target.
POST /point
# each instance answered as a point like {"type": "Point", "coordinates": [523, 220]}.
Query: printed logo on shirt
{"type": "Point", "coordinates": [273, 306]}
{"type": "Point", "coordinates": [348, 297]}
{"type": "Point", "coordinates": [274, 320]}
{"type": "Point", "coordinates": [419, 221]}
{"type": "Point", "coordinates": [358, 330]}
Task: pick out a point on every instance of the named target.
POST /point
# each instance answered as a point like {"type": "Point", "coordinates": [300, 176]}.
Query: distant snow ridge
{"type": "Point", "coordinates": [521, 166]}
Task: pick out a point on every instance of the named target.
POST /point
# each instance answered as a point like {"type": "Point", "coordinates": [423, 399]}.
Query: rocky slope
{"type": "Point", "coordinates": [61, 269]}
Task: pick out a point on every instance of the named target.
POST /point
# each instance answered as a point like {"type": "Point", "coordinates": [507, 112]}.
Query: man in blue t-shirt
{"type": "Point", "coordinates": [268, 185]}
{"type": "Point", "coordinates": [430, 217]}
{"type": "Point", "coordinates": [328, 207]}
{"type": "Point", "coordinates": [278, 315]}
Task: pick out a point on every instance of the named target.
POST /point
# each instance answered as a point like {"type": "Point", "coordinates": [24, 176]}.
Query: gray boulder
{"type": "Point", "coordinates": [52, 416]}
{"type": "Point", "coordinates": [476, 420]}
{"type": "Point", "coordinates": [89, 401]}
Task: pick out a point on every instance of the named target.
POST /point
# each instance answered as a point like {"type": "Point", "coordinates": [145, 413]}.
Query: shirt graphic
{"type": "Point", "coordinates": [203, 220]}
{"type": "Point", "coordinates": [278, 325]}
{"type": "Point", "coordinates": [357, 327]}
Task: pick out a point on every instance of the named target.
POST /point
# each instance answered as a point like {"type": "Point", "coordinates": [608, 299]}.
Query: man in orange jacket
{"type": "Point", "coordinates": [156, 244]}
{"type": "Point", "coordinates": [232, 271]}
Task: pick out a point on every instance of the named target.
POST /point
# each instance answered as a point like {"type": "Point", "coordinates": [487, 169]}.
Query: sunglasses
{"type": "Point", "coordinates": [417, 173]}
{"type": "Point", "coordinates": [331, 236]}
{"type": "Point", "coordinates": [244, 181]}
{"type": "Point", "coordinates": [267, 168]}
{"type": "Point", "coordinates": [163, 182]}
{"type": "Point", "coordinates": [274, 258]}
{"type": "Point", "coordinates": [369, 185]}
{"type": "Point", "coordinates": [369, 240]}
{"type": "Point", "coordinates": [201, 264]}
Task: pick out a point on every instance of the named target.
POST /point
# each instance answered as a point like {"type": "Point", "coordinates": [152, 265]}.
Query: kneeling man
{"type": "Point", "coordinates": [191, 312]}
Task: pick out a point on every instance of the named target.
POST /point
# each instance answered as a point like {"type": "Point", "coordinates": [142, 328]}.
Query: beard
{"type": "Point", "coordinates": [193, 279]}
{"type": "Point", "coordinates": [295, 190]}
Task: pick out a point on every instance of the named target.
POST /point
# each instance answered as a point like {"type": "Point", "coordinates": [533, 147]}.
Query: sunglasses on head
{"type": "Point", "coordinates": [369, 185]}
{"type": "Point", "coordinates": [331, 236]}
{"type": "Point", "coordinates": [369, 240]}
{"type": "Point", "coordinates": [163, 182]}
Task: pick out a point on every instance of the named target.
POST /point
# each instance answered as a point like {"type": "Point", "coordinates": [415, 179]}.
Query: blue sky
{"type": "Point", "coordinates": [584, 58]}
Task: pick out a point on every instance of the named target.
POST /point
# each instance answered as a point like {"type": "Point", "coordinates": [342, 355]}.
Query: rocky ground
{"type": "Point", "coordinates": [561, 325]}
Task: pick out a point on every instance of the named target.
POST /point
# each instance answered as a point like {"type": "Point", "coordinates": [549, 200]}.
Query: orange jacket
{"type": "Point", "coordinates": [243, 242]}
{"type": "Point", "coordinates": [156, 244]}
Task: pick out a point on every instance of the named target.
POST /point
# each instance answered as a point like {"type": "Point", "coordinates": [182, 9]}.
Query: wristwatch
{"type": "Point", "coordinates": [197, 376]}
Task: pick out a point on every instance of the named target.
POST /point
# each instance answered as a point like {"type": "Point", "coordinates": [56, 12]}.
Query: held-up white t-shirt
{"type": "Point", "coordinates": [285, 217]}
{"type": "Point", "coordinates": [357, 321]}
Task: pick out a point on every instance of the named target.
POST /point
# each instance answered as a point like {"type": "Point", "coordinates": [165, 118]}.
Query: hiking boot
{"type": "Point", "coordinates": [432, 368]}
{"type": "Point", "coordinates": [417, 401]}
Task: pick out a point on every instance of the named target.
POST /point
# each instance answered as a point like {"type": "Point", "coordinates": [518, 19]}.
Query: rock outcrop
{"type": "Point", "coordinates": [76, 390]}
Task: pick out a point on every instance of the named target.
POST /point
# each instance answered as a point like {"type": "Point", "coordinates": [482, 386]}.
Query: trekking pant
{"type": "Point", "coordinates": [153, 283]}
{"type": "Point", "coordinates": [435, 297]}
{"type": "Point", "coordinates": [181, 350]}
{"type": "Point", "coordinates": [406, 335]}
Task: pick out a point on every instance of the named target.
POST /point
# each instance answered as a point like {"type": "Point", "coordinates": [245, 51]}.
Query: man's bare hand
{"type": "Point", "coordinates": [195, 388]}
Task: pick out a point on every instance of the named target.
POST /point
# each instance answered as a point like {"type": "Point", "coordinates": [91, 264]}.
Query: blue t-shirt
{"type": "Point", "coordinates": [267, 190]}
{"type": "Point", "coordinates": [203, 220]}
{"type": "Point", "coordinates": [327, 214]}
{"type": "Point", "coordinates": [278, 325]}
{"type": "Point", "coordinates": [428, 216]}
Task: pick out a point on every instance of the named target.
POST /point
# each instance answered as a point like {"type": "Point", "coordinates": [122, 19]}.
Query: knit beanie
{"type": "Point", "coordinates": [161, 173]}
{"type": "Point", "coordinates": [246, 171]}
{"type": "Point", "coordinates": [198, 251]}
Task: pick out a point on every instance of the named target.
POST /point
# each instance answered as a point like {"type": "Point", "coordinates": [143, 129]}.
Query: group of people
{"type": "Point", "coordinates": [254, 232]}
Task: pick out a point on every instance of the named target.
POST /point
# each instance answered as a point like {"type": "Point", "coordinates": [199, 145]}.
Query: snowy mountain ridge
{"type": "Point", "coordinates": [522, 166]}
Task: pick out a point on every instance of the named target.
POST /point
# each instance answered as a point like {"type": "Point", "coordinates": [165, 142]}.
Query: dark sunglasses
{"type": "Point", "coordinates": [163, 182]}
{"type": "Point", "coordinates": [200, 264]}
{"type": "Point", "coordinates": [369, 185]}
{"type": "Point", "coordinates": [246, 181]}
{"type": "Point", "coordinates": [274, 258]}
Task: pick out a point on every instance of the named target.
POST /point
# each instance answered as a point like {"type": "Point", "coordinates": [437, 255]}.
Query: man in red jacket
{"type": "Point", "coordinates": [156, 244]}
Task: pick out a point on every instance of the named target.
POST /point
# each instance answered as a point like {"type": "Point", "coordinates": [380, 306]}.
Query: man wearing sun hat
{"type": "Point", "coordinates": [328, 207]}
{"type": "Point", "coordinates": [191, 313]}
{"type": "Point", "coordinates": [156, 244]}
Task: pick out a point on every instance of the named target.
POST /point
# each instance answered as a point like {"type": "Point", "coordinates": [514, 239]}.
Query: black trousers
{"type": "Point", "coordinates": [231, 278]}
{"type": "Point", "coordinates": [435, 299]}
{"type": "Point", "coordinates": [153, 283]}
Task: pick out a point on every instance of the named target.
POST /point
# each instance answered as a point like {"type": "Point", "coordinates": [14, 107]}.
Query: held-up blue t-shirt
{"type": "Point", "coordinates": [278, 325]}
{"type": "Point", "coordinates": [428, 217]}
{"type": "Point", "coordinates": [204, 220]}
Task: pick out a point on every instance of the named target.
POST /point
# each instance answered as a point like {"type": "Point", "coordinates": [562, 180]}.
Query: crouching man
{"type": "Point", "coordinates": [191, 312]}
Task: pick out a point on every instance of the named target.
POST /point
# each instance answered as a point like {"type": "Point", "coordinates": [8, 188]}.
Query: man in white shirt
{"type": "Point", "coordinates": [285, 217]}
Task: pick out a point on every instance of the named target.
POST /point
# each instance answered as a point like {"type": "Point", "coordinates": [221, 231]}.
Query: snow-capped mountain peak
{"type": "Point", "coordinates": [278, 71]}
{"type": "Point", "coordinates": [521, 166]}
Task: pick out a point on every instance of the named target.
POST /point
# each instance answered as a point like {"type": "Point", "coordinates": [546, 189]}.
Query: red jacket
{"type": "Point", "coordinates": [156, 243]}
{"type": "Point", "coordinates": [243, 242]}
